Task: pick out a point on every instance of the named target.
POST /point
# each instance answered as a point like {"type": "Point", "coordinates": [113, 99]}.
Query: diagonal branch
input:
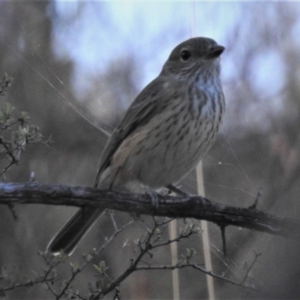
{"type": "Point", "coordinates": [170, 206]}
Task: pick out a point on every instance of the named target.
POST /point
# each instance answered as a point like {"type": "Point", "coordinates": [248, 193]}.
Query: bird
{"type": "Point", "coordinates": [163, 135]}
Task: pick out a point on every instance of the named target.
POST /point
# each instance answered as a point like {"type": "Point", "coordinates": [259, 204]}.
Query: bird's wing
{"type": "Point", "coordinates": [142, 109]}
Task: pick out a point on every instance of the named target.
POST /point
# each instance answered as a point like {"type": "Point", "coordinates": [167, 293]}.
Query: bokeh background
{"type": "Point", "coordinates": [78, 65]}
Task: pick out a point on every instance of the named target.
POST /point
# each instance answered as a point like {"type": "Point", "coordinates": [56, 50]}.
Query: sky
{"type": "Point", "coordinates": [93, 33]}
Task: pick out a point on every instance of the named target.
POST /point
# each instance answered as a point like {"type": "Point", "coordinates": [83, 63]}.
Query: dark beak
{"type": "Point", "coordinates": [215, 51]}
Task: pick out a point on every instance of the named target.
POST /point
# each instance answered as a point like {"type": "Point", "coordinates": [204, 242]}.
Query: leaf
{"type": "Point", "coordinates": [7, 108]}
{"type": "Point", "coordinates": [8, 79]}
{"type": "Point", "coordinates": [102, 264]}
{"type": "Point", "coordinates": [88, 257]}
{"type": "Point", "coordinates": [45, 286]}
{"type": "Point", "coordinates": [74, 266]}
{"type": "Point", "coordinates": [157, 231]}
{"type": "Point", "coordinates": [24, 116]}
{"type": "Point", "coordinates": [98, 269]}
{"type": "Point", "coordinates": [101, 268]}
{"type": "Point", "coordinates": [190, 252]}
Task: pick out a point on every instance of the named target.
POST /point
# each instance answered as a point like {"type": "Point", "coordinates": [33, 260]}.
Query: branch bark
{"type": "Point", "coordinates": [196, 207]}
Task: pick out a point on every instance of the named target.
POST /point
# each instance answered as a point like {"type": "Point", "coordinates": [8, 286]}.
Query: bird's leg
{"type": "Point", "coordinates": [154, 198]}
{"type": "Point", "coordinates": [177, 190]}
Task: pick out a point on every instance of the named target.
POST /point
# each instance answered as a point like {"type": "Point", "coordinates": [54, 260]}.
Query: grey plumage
{"type": "Point", "coordinates": [164, 133]}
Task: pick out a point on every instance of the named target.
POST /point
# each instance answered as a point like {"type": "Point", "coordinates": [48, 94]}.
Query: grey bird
{"type": "Point", "coordinates": [164, 134]}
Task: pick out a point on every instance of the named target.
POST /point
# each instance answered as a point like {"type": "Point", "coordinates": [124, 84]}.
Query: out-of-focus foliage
{"type": "Point", "coordinates": [258, 147]}
{"type": "Point", "coordinates": [5, 83]}
{"type": "Point", "coordinates": [15, 131]}
{"type": "Point", "coordinates": [260, 144]}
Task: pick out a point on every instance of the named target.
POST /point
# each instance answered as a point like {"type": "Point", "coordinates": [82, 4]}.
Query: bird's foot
{"type": "Point", "coordinates": [154, 198]}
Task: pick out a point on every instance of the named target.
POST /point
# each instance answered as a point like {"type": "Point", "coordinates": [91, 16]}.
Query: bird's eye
{"type": "Point", "coordinates": [185, 55]}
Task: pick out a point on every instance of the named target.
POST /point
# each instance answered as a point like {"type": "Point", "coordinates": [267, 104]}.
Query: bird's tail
{"type": "Point", "coordinates": [74, 230]}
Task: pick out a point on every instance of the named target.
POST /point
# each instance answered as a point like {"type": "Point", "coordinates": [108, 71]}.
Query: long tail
{"type": "Point", "coordinates": [74, 230]}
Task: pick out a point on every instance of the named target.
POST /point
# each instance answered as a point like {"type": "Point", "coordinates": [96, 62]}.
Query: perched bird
{"type": "Point", "coordinates": [163, 135]}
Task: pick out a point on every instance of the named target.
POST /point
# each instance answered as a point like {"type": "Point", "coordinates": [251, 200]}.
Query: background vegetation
{"type": "Point", "coordinates": [258, 146]}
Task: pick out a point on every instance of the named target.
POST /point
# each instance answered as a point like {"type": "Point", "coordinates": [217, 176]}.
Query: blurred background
{"type": "Point", "coordinates": [77, 67]}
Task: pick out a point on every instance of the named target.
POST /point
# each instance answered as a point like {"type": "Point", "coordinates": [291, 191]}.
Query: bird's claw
{"type": "Point", "coordinates": [154, 199]}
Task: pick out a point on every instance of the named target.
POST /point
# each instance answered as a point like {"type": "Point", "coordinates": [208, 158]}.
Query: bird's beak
{"type": "Point", "coordinates": [215, 51]}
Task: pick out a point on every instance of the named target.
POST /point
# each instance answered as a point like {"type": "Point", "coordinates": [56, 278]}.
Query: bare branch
{"type": "Point", "coordinates": [170, 206]}
{"type": "Point", "coordinates": [29, 283]}
{"type": "Point", "coordinates": [199, 268]}
{"type": "Point", "coordinates": [257, 255]}
{"type": "Point", "coordinates": [88, 261]}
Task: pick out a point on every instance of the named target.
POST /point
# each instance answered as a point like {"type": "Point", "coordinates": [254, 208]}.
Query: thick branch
{"type": "Point", "coordinates": [175, 207]}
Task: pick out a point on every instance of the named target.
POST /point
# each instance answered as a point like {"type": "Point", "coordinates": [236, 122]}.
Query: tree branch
{"type": "Point", "coordinates": [196, 207]}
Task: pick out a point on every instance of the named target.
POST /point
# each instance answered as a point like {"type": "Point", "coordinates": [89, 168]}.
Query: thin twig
{"type": "Point", "coordinates": [258, 197]}
{"type": "Point", "coordinates": [197, 267]}
{"type": "Point", "coordinates": [133, 264]}
{"type": "Point", "coordinates": [257, 255]}
{"type": "Point", "coordinates": [76, 272]}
